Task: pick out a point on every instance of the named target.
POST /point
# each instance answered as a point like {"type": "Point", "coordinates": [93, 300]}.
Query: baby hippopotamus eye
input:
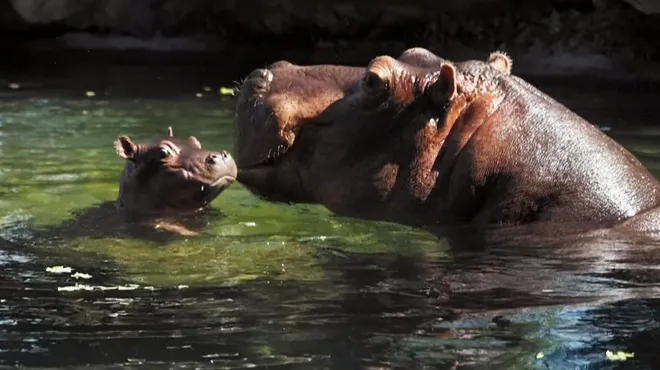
{"type": "Point", "coordinates": [165, 152]}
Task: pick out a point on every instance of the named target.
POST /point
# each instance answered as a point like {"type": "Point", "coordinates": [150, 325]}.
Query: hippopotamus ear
{"type": "Point", "coordinates": [193, 140]}
{"type": "Point", "coordinates": [500, 61]}
{"type": "Point", "coordinates": [126, 148]}
{"type": "Point", "coordinates": [444, 88]}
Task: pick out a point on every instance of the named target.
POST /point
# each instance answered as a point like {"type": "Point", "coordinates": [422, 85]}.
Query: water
{"type": "Point", "coordinates": [293, 287]}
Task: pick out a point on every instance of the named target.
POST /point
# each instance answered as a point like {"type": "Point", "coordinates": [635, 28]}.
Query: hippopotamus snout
{"type": "Point", "coordinates": [260, 80]}
{"type": "Point", "coordinates": [221, 158]}
{"type": "Point", "coordinates": [223, 164]}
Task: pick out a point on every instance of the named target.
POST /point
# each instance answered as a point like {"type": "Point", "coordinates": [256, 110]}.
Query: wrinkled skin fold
{"type": "Point", "coordinates": [424, 141]}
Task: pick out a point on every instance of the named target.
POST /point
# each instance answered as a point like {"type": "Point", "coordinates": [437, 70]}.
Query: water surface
{"type": "Point", "coordinates": [280, 286]}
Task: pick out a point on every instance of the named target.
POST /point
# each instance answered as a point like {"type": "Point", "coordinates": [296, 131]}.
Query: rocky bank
{"type": "Point", "coordinates": [544, 35]}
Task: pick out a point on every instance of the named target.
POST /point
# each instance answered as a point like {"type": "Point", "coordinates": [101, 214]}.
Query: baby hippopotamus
{"type": "Point", "coordinates": [171, 176]}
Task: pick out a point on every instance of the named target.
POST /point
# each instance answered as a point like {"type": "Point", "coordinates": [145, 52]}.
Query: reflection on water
{"type": "Point", "coordinates": [277, 286]}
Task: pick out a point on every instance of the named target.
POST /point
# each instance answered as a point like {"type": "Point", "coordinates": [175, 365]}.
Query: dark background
{"type": "Point", "coordinates": [96, 43]}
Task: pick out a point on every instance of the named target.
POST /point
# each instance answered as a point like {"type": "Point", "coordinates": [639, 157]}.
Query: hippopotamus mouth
{"type": "Point", "coordinates": [261, 138]}
{"type": "Point", "coordinates": [206, 192]}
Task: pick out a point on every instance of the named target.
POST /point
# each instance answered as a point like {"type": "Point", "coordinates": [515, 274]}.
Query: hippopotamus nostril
{"type": "Point", "coordinates": [261, 77]}
{"type": "Point", "coordinates": [213, 159]}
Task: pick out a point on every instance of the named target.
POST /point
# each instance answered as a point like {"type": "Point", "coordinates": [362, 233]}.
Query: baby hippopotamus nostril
{"type": "Point", "coordinates": [213, 159]}
{"type": "Point", "coordinates": [218, 158]}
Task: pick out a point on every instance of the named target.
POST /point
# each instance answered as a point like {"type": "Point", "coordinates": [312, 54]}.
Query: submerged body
{"type": "Point", "coordinates": [424, 141]}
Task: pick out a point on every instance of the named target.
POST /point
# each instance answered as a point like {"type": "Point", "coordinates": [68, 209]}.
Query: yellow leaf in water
{"type": "Point", "coordinates": [90, 93]}
{"type": "Point", "coordinates": [226, 91]}
{"type": "Point", "coordinates": [540, 355]}
{"type": "Point", "coordinates": [619, 356]}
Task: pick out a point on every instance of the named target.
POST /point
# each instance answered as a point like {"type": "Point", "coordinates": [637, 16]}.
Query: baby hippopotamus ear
{"type": "Point", "coordinates": [126, 148]}
{"type": "Point", "coordinates": [193, 140]}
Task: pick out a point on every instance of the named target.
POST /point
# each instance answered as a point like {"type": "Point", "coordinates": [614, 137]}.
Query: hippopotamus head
{"type": "Point", "coordinates": [274, 105]}
{"type": "Point", "coordinates": [283, 121]}
{"type": "Point", "coordinates": [171, 175]}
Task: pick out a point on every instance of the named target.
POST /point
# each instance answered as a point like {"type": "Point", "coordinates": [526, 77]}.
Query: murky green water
{"type": "Point", "coordinates": [281, 286]}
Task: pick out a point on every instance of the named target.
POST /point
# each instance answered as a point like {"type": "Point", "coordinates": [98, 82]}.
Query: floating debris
{"type": "Point", "coordinates": [128, 287]}
{"type": "Point", "coordinates": [80, 275]}
{"type": "Point", "coordinates": [540, 355]}
{"type": "Point", "coordinates": [73, 288]}
{"type": "Point", "coordinates": [59, 269]}
{"type": "Point", "coordinates": [14, 86]}
{"type": "Point", "coordinates": [226, 91]}
{"type": "Point", "coordinates": [77, 287]}
{"type": "Point", "coordinates": [90, 93]}
{"type": "Point", "coordinates": [199, 95]}
{"type": "Point", "coordinates": [207, 88]}
{"type": "Point", "coordinates": [619, 356]}
{"type": "Point", "coordinates": [182, 287]}
{"type": "Point", "coordinates": [249, 224]}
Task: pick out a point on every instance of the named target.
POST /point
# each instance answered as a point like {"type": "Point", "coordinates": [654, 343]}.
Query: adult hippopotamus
{"type": "Point", "coordinates": [425, 144]}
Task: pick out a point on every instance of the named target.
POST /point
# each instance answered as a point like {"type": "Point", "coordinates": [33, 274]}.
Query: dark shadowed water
{"type": "Point", "coordinates": [271, 286]}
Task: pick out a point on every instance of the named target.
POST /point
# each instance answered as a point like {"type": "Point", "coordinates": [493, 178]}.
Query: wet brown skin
{"type": "Point", "coordinates": [170, 176]}
{"type": "Point", "coordinates": [452, 143]}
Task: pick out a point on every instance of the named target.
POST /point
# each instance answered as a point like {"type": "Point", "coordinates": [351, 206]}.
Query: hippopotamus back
{"type": "Point", "coordinates": [542, 150]}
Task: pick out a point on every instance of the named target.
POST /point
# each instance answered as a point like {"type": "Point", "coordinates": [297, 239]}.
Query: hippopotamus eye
{"type": "Point", "coordinates": [372, 81]}
{"type": "Point", "coordinates": [165, 152]}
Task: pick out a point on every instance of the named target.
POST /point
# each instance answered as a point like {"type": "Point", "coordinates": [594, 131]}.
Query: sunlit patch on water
{"type": "Point", "coordinates": [277, 286]}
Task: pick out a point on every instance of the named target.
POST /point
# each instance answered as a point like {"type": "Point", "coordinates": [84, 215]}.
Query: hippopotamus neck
{"type": "Point", "coordinates": [135, 199]}
{"type": "Point", "coordinates": [565, 169]}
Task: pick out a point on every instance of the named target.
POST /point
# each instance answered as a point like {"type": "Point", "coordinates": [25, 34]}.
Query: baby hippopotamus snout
{"type": "Point", "coordinates": [171, 174]}
{"type": "Point", "coordinates": [220, 166]}
{"type": "Point", "coordinates": [220, 158]}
